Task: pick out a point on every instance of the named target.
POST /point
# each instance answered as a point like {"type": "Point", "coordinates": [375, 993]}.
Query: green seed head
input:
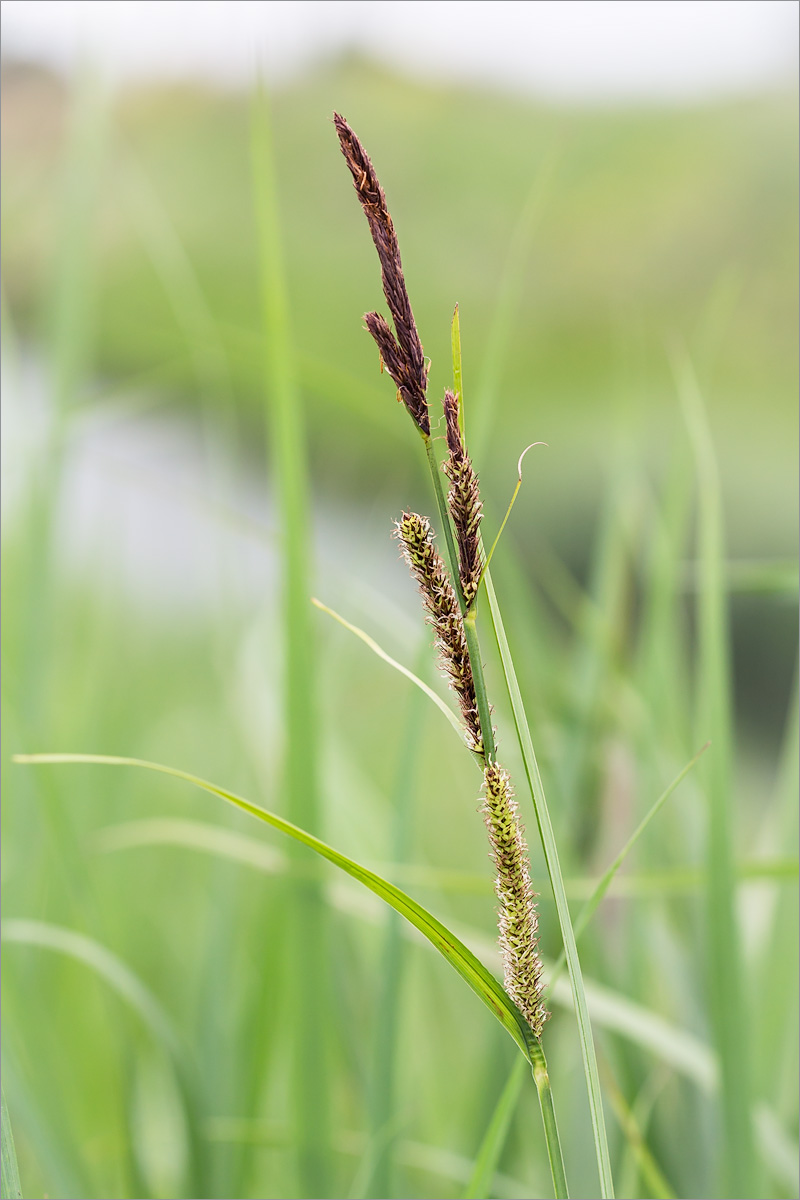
{"type": "Point", "coordinates": [517, 919]}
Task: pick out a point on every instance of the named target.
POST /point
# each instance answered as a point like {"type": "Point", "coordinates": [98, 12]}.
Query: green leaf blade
{"type": "Point", "coordinates": [460, 957]}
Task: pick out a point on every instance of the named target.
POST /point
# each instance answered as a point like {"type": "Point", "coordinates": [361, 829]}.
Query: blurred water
{"type": "Point", "coordinates": [144, 508]}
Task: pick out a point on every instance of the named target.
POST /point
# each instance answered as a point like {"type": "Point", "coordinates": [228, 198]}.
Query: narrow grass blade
{"type": "Point", "coordinates": [602, 886]}
{"type": "Point", "coordinates": [418, 1155]}
{"type": "Point", "coordinates": [777, 1039]}
{"type": "Point", "coordinates": [778, 1150]}
{"type": "Point", "coordinates": [191, 835]}
{"type": "Point", "coordinates": [285, 423]}
{"type": "Point", "coordinates": [39, 1118]}
{"type": "Point", "coordinates": [116, 974]}
{"type": "Point", "coordinates": [714, 720]}
{"type": "Point", "coordinates": [460, 958]}
{"type": "Point", "coordinates": [195, 835]}
{"type": "Point", "coordinates": [557, 883]}
{"type": "Point", "coordinates": [11, 1187]}
{"type": "Point", "coordinates": [511, 504]}
{"type": "Point", "coordinates": [653, 1176]}
{"type": "Point", "coordinates": [119, 977]}
{"type": "Point", "coordinates": [187, 299]}
{"type": "Point", "coordinates": [495, 1137]}
{"type": "Point", "coordinates": [377, 1174]}
{"type": "Point", "coordinates": [178, 277]}
{"type": "Point", "coordinates": [381, 653]}
{"type": "Point", "coordinates": [69, 322]}
{"type": "Point", "coordinates": [512, 284]}
{"type": "Point", "coordinates": [72, 288]}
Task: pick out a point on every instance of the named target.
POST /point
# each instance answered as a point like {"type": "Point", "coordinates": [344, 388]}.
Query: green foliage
{"type": "Point", "coordinates": [10, 1172]}
{"type": "Point", "coordinates": [576, 243]}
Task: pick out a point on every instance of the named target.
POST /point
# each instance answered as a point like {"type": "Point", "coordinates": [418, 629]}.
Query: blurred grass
{"type": "Point", "coordinates": [650, 223]}
{"type": "Point", "coordinates": [638, 216]}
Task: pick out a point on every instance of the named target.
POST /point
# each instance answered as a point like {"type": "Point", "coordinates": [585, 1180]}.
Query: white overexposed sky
{"type": "Point", "coordinates": [612, 50]}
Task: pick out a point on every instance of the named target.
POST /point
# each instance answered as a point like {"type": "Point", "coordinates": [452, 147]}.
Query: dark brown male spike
{"type": "Point", "coordinates": [402, 351]}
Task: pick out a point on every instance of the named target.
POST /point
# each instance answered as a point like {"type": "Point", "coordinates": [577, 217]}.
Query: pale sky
{"type": "Point", "coordinates": [602, 50]}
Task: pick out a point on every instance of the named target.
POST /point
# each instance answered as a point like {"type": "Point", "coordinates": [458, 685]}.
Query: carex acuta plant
{"type": "Point", "coordinates": [450, 599]}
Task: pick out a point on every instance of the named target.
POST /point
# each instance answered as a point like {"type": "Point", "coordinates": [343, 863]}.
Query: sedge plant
{"type": "Point", "coordinates": [450, 600]}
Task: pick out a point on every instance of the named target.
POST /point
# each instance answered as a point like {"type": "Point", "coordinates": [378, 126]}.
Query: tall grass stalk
{"type": "Point", "coordinates": [553, 868]}
{"type": "Point", "coordinates": [11, 1188]}
{"type": "Point", "coordinates": [381, 1095]}
{"type": "Point", "coordinates": [287, 442]}
{"type": "Point", "coordinates": [714, 718]}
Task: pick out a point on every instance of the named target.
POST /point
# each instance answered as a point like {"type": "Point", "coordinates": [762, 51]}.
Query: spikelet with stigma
{"type": "Point", "coordinates": [426, 564]}
{"type": "Point", "coordinates": [517, 920]}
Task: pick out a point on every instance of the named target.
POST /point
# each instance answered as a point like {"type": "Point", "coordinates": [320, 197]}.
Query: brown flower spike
{"type": "Point", "coordinates": [440, 600]}
{"type": "Point", "coordinates": [464, 501]}
{"type": "Point", "coordinates": [517, 919]}
{"type": "Point", "coordinates": [402, 354]}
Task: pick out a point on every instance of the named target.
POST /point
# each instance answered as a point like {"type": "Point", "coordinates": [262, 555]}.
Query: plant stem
{"type": "Point", "coordinates": [542, 1080]}
{"type": "Point", "coordinates": [10, 1170]}
{"type": "Point", "coordinates": [538, 1061]}
{"type": "Point", "coordinates": [287, 434]}
{"type": "Point", "coordinates": [728, 998]}
{"type": "Point", "coordinates": [559, 895]}
{"type": "Point", "coordinates": [545, 832]}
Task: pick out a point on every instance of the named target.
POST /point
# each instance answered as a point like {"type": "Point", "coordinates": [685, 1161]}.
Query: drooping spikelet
{"type": "Point", "coordinates": [463, 500]}
{"type": "Point", "coordinates": [402, 354]}
{"type": "Point", "coordinates": [416, 538]}
{"type": "Point", "coordinates": [517, 920]}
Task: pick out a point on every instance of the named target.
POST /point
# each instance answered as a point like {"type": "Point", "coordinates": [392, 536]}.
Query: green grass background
{"type": "Point", "coordinates": [593, 253]}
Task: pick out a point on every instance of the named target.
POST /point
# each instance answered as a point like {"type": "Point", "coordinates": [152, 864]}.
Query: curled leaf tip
{"type": "Point", "coordinates": [524, 452]}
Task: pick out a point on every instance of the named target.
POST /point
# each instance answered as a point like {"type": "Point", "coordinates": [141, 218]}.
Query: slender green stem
{"type": "Point", "coordinates": [538, 1062]}
{"type": "Point", "coordinates": [484, 711]}
{"type": "Point", "coordinates": [726, 975]}
{"type": "Point", "coordinates": [548, 840]}
{"type": "Point", "coordinates": [541, 1078]}
{"type": "Point", "coordinates": [444, 516]}
{"type": "Point", "coordinates": [377, 1178]}
{"type": "Point", "coordinates": [559, 895]}
{"type": "Point", "coordinates": [287, 435]}
{"type": "Point", "coordinates": [10, 1170]}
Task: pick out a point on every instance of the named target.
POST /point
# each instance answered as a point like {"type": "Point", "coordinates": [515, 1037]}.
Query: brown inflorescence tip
{"type": "Point", "coordinates": [406, 361]}
{"type": "Point", "coordinates": [427, 566]}
{"type": "Point", "coordinates": [463, 500]}
{"type": "Point", "coordinates": [517, 919]}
